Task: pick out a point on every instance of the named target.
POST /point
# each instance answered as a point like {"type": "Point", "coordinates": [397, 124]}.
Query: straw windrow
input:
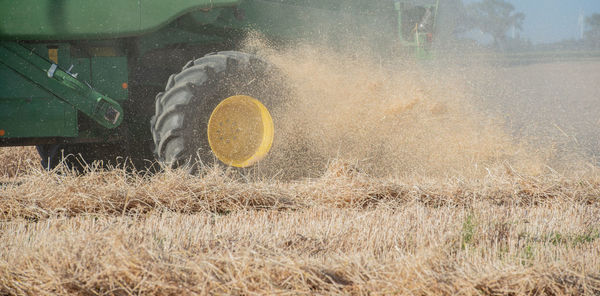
{"type": "Point", "coordinates": [111, 232]}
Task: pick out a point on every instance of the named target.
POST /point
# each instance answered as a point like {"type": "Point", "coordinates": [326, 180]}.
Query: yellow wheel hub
{"type": "Point", "coordinates": [240, 131]}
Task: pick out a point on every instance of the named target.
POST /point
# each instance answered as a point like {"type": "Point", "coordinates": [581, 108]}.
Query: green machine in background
{"type": "Point", "coordinates": [88, 77]}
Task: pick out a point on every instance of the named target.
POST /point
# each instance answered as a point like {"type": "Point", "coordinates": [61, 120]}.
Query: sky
{"type": "Point", "coordinates": [549, 21]}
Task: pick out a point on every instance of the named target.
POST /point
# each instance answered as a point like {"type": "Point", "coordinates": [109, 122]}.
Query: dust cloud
{"type": "Point", "coordinates": [401, 118]}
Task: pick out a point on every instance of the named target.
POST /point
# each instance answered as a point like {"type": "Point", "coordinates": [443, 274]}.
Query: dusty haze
{"type": "Point", "coordinates": [456, 115]}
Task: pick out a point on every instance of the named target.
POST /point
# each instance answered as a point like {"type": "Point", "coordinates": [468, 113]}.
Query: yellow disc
{"type": "Point", "coordinates": [240, 131]}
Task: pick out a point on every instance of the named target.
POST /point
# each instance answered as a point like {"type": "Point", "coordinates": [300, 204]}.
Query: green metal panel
{"type": "Point", "coordinates": [156, 13]}
{"type": "Point", "coordinates": [338, 23]}
{"type": "Point", "coordinates": [46, 75]}
{"type": "Point", "coordinates": [108, 76]}
{"type": "Point", "coordinates": [30, 110]}
{"type": "Point", "coordinates": [27, 110]}
{"type": "Point", "coordinates": [67, 19]}
{"type": "Point", "coordinates": [91, 19]}
{"type": "Point", "coordinates": [37, 117]}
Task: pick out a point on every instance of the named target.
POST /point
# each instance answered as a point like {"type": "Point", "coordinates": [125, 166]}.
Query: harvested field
{"type": "Point", "coordinates": [432, 198]}
{"type": "Point", "coordinates": [110, 232]}
{"type": "Point", "coordinates": [17, 161]}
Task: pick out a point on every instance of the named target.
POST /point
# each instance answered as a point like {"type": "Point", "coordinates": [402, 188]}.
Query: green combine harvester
{"type": "Point", "coordinates": [161, 80]}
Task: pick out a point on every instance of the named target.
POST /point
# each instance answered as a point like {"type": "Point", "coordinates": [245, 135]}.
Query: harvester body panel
{"type": "Point", "coordinates": [103, 51]}
{"type": "Point", "coordinates": [91, 19]}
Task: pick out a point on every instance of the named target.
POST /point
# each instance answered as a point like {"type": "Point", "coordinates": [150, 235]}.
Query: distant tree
{"type": "Point", "coordinates": [592, 34]}
{"type": "Point", "coordinates": [494, 17]}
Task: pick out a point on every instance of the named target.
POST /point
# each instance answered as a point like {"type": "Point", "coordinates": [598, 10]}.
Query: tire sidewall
{"type": "Point", "coordinates": [250, 76]}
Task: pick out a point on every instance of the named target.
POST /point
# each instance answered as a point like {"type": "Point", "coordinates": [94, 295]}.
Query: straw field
{"type": "Point", "coordinates": [112, 232]}
{"type": "Point", "coordinates": [424, 195]}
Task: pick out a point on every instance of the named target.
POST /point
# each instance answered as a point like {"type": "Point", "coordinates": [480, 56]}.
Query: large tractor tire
{"type": "Point", "coordinates": [218, 107]}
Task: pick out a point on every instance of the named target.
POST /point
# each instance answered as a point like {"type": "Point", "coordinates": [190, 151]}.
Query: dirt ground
{"type": "Point", "coordinates": [548, 102]}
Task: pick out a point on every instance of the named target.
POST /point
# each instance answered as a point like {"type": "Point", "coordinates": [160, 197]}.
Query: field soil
{"type": "Point", "coordinates": [549, 102]}
{"type": "Point", "coordinates": [503, 202]}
